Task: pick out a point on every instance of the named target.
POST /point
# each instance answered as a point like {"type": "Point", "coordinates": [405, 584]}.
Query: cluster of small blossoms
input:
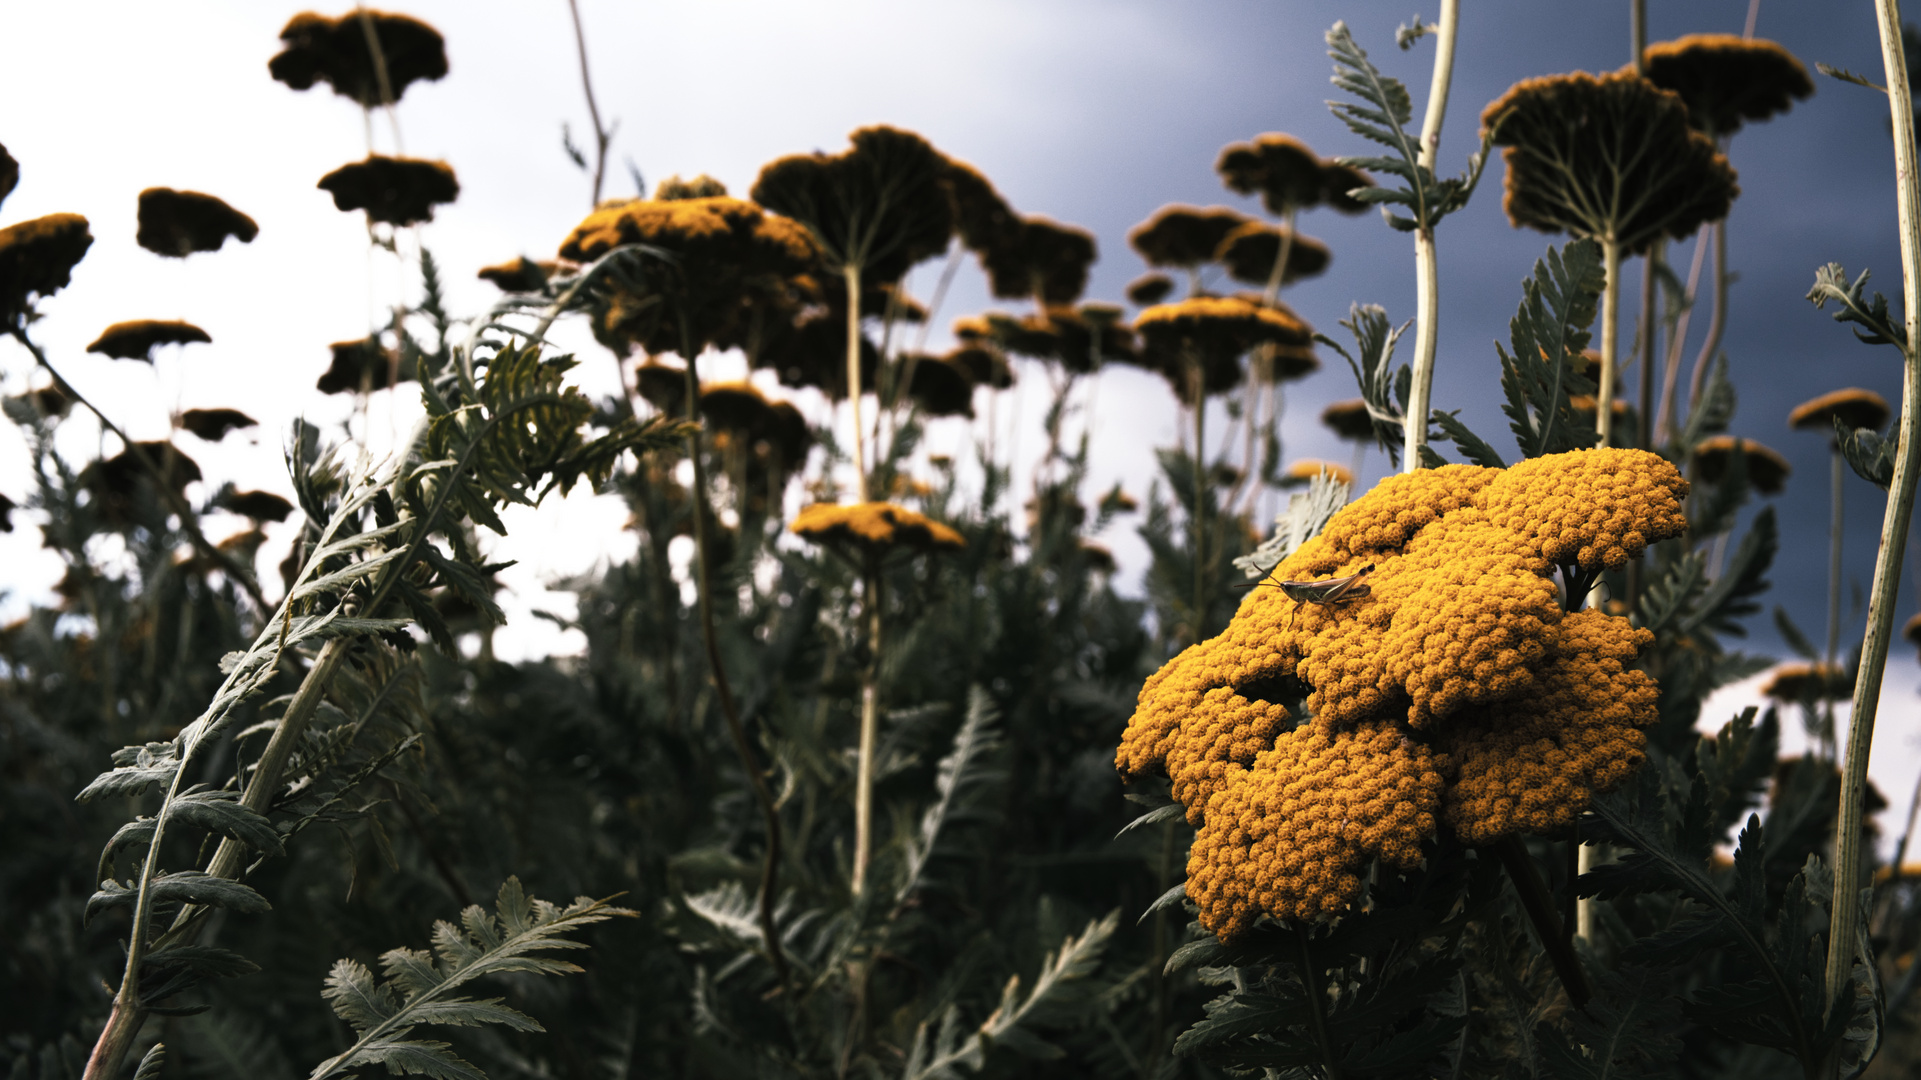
{"type": "Point", "coordinates": [1456, 690]}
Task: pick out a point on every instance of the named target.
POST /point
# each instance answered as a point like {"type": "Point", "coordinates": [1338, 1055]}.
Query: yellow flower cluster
{"type": "Point", "coordinates": [874, 528]}
{"type": "Point", "coordinates": [1454, 686]}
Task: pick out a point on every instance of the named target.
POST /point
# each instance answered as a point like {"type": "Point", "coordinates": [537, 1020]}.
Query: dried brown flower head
{"type": "Point", "coordinates": [1288, 176]}
{"type": "Point", "coordinates": [1184, 236]}
{"type": "Point", "coordinates": [47, 401]}
{"type": "Point", "coordinates": [258, 505]}
{"type": "Point", "coordinates": [334, 51]}
{"type": "Point", "coordinates": [136, 339]}
{"type": "Point", "coordinates": [1250, 252]}
{"type": "Point", "coordinates": [812, 351]}
{"type": "Point", "coordinates": [362, 365]}
{"type": "Point", "coordinates": [881, 205]}
{"type": "Point", "coordinates": [1727, 80]}
{"type": "Point", "coordinates": [1042, 259]}
{"type": "Point", "coordinates": [1209, 334]}
{"type": "Point", "coordinates": [1149, 289]}
{"type": "Point", "coordinates": [1608, 157]}
{"type": "Point", "coordinates": [519, 274]}
{"type": "Point", "coordinates": [985, 366]}
{"type": "Point", "coordinates": [788, 434]}
{"type": "Point", "coordinates": [213, 425]}
{"type": "Point", "coordinates": [1767, 470]}
{"type": "Point", "coordinates": [737, 406]}
{"type": "Point", "coordinates": [1807, 683]}
{"type": "Point", "coordinates": [1854, 407]}
{"type": "Point", "coordinates": [178, 223]}
{"type": "Point", "coordinates": [117, 481]}
{"type": "Point", "coordinates": [943, 387]}
{"type": "Point", "coordinates": [392, 190]}
{"type": "Point", "coordinates": [1349, 420]}
{"type": "Point", "coordinates": [1078, 339]}
{"type": "Point", "coordinates": [37, 258]}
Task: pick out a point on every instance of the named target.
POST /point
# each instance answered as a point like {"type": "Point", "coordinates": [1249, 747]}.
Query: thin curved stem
{"type": "Point", "coordinates": [1846, 914]}
{"type": "Point", "coordinates": [1671, 373]}
{"type": "Point", "coordinates": [601, 135]}
{"type": "Point", "coordinates": [1718, 321]}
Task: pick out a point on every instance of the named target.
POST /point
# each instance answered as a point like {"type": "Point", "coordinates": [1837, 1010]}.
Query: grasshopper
{"type": "Point", "coordinates": [1340, 590]}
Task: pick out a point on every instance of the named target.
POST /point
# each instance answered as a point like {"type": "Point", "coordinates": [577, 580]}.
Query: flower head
{"type": "Point", "coordinates": [37, 258]}
{"type": "Point", "coordinates": [1349, 420]}
{"type": "Point", "coordinates": [700, 187]}
{"type": "Point", "coordinates": [9, 174]}
{"type": "Point", "coordinates": [392, 190]}
{"type": "Point", "coordinates": [1726, 79]}
{"type": "Point", "coordinates": [1184, 236]}
{"type": "Point", "coordinates": [1456, 687]}
{"type": "Point", "coordinates": [258, 505]}
{"type": "Point", "coordinates": [1307, 469]}
{"type": "Point", "coordinates": [1854, 407]}
{"type": "Point", "coordinates": [1288, 176]}
{"type": "Point", "coordinates": [137, 339]}
{"type": "Point", "coordinates": [362, 365]}
{"type": "Point", "coordinates": [213, 425]}
{"type": "Point", "coordinates": [880, 206]}
{"type": "Point", "coordinates": [1807, 683]}
{"type": "Point", "coordinates": [872, 529]}
{"type": "Point", "coordinates": [664, 386]}
{"type": "Point", "coordinates": [736, 406]}
{"type": "Point", "coordinates": [942, 386]}
{"type": "Point", "coordinates": [1209, 335]}
{"type": "Point", "coordinates": [1767, 470]}
{"type": "Point", "coordinates": [1250, 252]}
{"type": "Point", "coordinates": [117, 482]}
{"type": "Point", "coordinates": [985, 366]}
{"type": "Point", "coordinates": [982, 218]}
{"type": "Point", "coordinates": [1608, 157]}
{"type": "Point", "coordinates": [728, 255]}
{"type": "Point", "coordinates": [519, 274]}
{"type": "Point", "coordinates": [1078, 339]}
{"type": "Point", "coordinates": [1149, 289]}
{"type": "Point", "coordinates": [178, 223]}
{"type": "Point", "coordinates": [335, 51]}
{"type": "Point", "coordinates": [1042, 259]}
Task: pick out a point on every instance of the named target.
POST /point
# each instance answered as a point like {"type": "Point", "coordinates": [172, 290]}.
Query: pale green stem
{"type": "Point", "coordinates": [1894, 528]}
{"type": "Point", "coordinates": [869, 729]}
{"type": "Point", "coordinates": [1427, 311]}
{"type": "Point", "coordinates": [1610, 338]}
{"type": "Point", "coordinates": [850, 273]}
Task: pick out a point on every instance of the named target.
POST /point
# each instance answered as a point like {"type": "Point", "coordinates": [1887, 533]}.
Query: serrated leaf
{"type": "Point", "coordinates": [414, 1057]}
{"type": "Point", "coordinates": [1171, 812]}
{"type": "Point", "coordinates": [183, 887]}
{"type": "Point", "coordinates": [1547, 333]}
{"type": "Point", "coordinates": [1870, 455]}
{"type": "Point", "coordinates": [1170, 898]}
{"type": "Point", "coordinates": [221, 812]}
{"type": "Point", "coordinates": [356, 997]}
{"type": "Point", "coordinates": [1472, 446]}
{"type": "Point", "coordinates": [152, 1063]}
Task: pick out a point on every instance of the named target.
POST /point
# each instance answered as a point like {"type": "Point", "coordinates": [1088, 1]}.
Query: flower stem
{"type": "Point", "coordinates": [1427, 293]}
{"type": "Point", "coordinates": [1718, 321]}
{"type": "Point", "coordinates": [1316, 1005]}
{"type": "Point", "coordinates": [850, 273]}
{"type": "Point", "coordinates": [869, 728]}
{"type": "Point", "coordinates": [1845, 919]}
{"type": "Point", "coordinates": [1539, 907]}
{"type": "Point", "coordinates": [1610, 339]}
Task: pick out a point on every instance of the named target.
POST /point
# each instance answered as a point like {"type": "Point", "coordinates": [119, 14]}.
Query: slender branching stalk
{"type": "Point", "coordinates": [602, 136]}
{"type": "Point", "coordinates": [1671, 373]}
{"type": "Point", "coordinates": [869, 726]}
{"type": "Point", "coordinates": [1846, 913]}
{"type": "Point", "coordinates": [1833, 644]}
{"type": "Point", "coordinates": [1718, 319]}
{"type": "Point", "coordinates": [1427, 295]}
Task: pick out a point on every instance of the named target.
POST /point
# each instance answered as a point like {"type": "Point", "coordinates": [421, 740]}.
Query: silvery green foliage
{"type": "Point", "coordinates": [419, 989]}
{"type": "Point", "coordinates": [1307, 513]}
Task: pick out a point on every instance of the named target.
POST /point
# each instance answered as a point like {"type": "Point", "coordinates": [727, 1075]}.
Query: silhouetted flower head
{"type": "Point", "coordinates": [519, 274]}
{"type": "Point", "coordinates": [1300, 472]}
{"type": "Point", "coordinates": [213, 425]}
{"type": "Point", "coordinates": [982, 219]}
{"type": "Point", "coordinates": [47, 401]}
{"type": "Point", "coordinates": [1457, 691]}
{"type": "Point", "coordinates": [1184, 236]}
{"type": "Point", "coordinates": [872, 529]}
{"type": "Point", "coordinates": [882, 205]}
{"type": "Point", "coordinates": [1726, 79]}
{"type": "Point", "coordinates": [1911, 630]}
{"type": "Point", "coordinates": [9, 174]}
{"type": "Point", "coordinates": [178, 223]}
{"type": "Point", "coordinates": [37, 258]}
{"type": "Point", "coordinates": [788, 434]}
{"type": "Point", "coordinates": [1149, 289]}
{"type": "Point", "coordinates": [1214, 332]}
{"type": "Point", "coordinates": [985, 366]}
{"type": "Point", "coordinates": [258, 505]}
{"type": "Point", "coordinates": [1809, 683]}
{"type": "Point", "coordinates": [1099, 558]}
{"type": "Point", "coordinates": [1249, 253]}
{"type": "Point", "coordinates": [1607, 156]}
{"type": "Point", "coordinates": [812, 351]}
{"type": "Point", "coordinates": [1767, 470]}
{"type": "Point", "coordinates": [118, 481]}
{"type": "Point", "coordinates": [700, 187]}
{"type": "Point", "coordinates": [1349, 420]}
{"type": "Point", "coordinates": [1042, 259]}
{"type": "Point", "coordinates": [1288, 176]}
{"type": "Point", "coordinates": [393, 190]}
{"type": "Point", "coordinates": [360, 365]}
{"type": "Point", "coordinates": [334, 51]}
{"type": "Point", "coordinates": [737, 406]}
{"type": "Point", "coordinates": [664, 386]}
{"type": "Point", "coordinates": [1854, 407]}
{"type": "Point", "coordinates": [1078, 339]}
{"type": "Point", "coordinates": [942, 387]}
{"type": "Point", "coordinates": [136, 340]}
{"type": "Point", "coordinates": [726, 255]}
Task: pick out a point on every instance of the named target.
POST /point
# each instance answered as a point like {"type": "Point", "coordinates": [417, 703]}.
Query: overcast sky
{"type": "Point", "coordinates": [1094, 112]}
